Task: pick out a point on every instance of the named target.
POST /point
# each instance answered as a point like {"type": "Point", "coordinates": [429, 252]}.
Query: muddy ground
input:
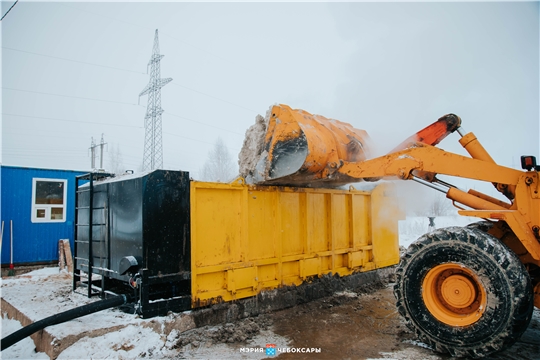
{"type": "Point", "coordinates": [360, 324]}
{"type": "Point", "coordinates": [347, 325]}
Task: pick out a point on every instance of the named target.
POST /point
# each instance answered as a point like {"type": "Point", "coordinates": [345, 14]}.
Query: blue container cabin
{"type": "Point", "coordinates": [40, 203]}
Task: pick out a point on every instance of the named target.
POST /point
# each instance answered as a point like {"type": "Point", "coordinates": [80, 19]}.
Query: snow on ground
{"type": "Point", "coordinates": [24, 349]}
{"type": "Point", "coordinates": [47, 292]}
{"type": "Point", "coordinates": [406, 354]}
{"type": "Point", "coordinates": [56, 292]}
{"type": "Point", "coordinates": [132, 340]}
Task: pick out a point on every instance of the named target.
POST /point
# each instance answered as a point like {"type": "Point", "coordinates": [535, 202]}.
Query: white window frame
{"type": "Point", "coordinates": [48, 207]}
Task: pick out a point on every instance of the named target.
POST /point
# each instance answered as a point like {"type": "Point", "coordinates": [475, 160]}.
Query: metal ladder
{"type": "Point", "coordinates": [82, 228]}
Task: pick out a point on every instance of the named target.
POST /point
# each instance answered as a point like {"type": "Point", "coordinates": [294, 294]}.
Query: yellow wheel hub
{"type": "Point", "coordinates": [454, 295]}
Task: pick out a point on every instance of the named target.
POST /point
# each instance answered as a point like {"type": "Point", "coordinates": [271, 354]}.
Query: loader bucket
{"type": "Point", "coordinates": [295, 148]}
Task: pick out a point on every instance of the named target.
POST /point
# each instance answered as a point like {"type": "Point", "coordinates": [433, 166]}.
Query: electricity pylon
{"type": "Point", "coordinates": [153, 143]}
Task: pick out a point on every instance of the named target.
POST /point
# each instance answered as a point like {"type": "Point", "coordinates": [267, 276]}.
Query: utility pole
{"type": "Point", "coordinates": [93, 154]}
{"type": "Point", "coordinates": [103, 143]}
{"type": "Point", "coordinates": [153, 144]}
{"type": "Point", "coordinates": [93, 147]}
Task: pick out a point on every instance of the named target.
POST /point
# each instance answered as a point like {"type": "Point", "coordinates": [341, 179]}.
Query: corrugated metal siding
{"type": "Point", "coordinates": [32, 242]}
{"type": "Point", "coordinates": [246, 239]}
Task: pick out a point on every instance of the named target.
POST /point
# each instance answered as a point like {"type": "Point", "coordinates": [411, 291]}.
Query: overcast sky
{"type": "Point", "coordinates": [72, 71]}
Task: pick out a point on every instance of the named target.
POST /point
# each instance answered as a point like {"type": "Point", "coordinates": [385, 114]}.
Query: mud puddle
{"type": "Point", "coordinates": [368, 326]}
{"type": "Point", "coordinates": [347, 325]}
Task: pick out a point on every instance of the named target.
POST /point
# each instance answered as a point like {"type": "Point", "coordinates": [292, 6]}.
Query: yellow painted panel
{"type": "Point", "coordinates": [326, 264]}
{"type": "Point", "coordinates": [341, 261]}
{"type": "Point", "coordinates": [317, 223]}
{"type": "Point", "coordinates": [241, 278]}
{"type": "Point", "coordinates": [360, 217]}
{"type": "Point", "coordinates": [261, 225]}
{"type": "Point", "coordinates": [368, 256]}
{"type": "Point", "coordinates": [218, 222]}
{"type": "Point", "coordinates": [267, 273]}
{"type": "Point", "coordinates": [355, 259]}
{"type": "Point", "coordinates": [291, 237]}
{"type": "Point", "coordinates": [310, 267]}
{"type": "Point", "coordinates": [342, 271]}
{"type": "Point", "coordinates": [340, 221]}
{"type": "Point", "coordinates": [245, 239]}
{"type": "Point", "coordinates": [211, 282]}
{"type": "Point", "coordinates": [291, 268]}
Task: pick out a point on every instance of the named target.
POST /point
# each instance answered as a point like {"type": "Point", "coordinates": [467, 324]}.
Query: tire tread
{"type": "Point", "coordinates": [478, 239]}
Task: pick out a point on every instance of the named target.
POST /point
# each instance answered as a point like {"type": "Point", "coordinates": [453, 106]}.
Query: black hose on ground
{"type": "Point", "coordinates": [63, 317]}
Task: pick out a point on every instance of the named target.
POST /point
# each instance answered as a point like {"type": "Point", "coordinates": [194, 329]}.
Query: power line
{"type": "Point", "coordinates": [69, 96]}
{"type": "Point", "coordinates": [71, 60]}
{"type": "Point", "coordinates": [56, 136]}
{"type": "Point", "coordinates": [25, 150]}
{"type": "Point", "coordinates": [119, 102]}
{"type": "Point", "coordinates": [146, 27]}
{"type": "Point", "coordinates": [126, 103]}
{"type": "Point", "coordinates": [98, 123]}
{"type": "Point", "coordinates": [75, 121]}
{"type": "Point", "coordinates": [201, 141]}
{"type": "Point", "coordinates": [46, 151]}
{"type": "Point", "coordinates": [15, 3]}
{"type": "Point", "coordinates": [202, 123]}
{"type": "Point", "coordinates": [215, 97]}
{"type": "Point", "coordinates": [69, 135]}
{"type": "Point", "coordinates": [105, 16]}
{"type": "Point", "coordinates": [43, 155]}
{"type": "Point", "coordinates": [179, 40]}
{"type": "Point", "coordinates": [115, 68]}
{"type": "Point", "coordinates": [44, 133]}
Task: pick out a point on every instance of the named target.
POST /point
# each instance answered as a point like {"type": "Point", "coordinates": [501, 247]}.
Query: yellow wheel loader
{"type": "Point", "coordinates": [467, 291]}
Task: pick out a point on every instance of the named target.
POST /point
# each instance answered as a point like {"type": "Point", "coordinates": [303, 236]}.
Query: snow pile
{"type": "Point", "coordinates": [252, 148]}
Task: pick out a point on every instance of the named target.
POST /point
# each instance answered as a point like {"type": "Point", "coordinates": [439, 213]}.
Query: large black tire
{"type": "Point", "coordinates": [483, 226]}
{"type": "Point", "coordinates": [504, 296]}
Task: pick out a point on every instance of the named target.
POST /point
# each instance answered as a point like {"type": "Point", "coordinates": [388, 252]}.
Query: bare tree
{"type": "Point", "coordinates": [418, 200]}
{"type": "Point", "coordinates": [442, 206]}
{"type": "Point", "coordinates": [116, 162]}
{"type": "Point", "coordinates": [438, 205]}
{"type": "Point", "coordinates": [219, 166]}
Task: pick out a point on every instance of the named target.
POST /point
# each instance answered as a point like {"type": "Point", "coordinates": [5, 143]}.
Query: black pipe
{"type": "Point", "coordinates": [63, 317]}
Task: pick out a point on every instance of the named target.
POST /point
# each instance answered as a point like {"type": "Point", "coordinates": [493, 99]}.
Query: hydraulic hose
{"type": "Point", "coordinates": [63, 317]}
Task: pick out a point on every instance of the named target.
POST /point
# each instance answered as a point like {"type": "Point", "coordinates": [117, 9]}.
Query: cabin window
{"type": "Point", "coordinates": [49, 197]}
